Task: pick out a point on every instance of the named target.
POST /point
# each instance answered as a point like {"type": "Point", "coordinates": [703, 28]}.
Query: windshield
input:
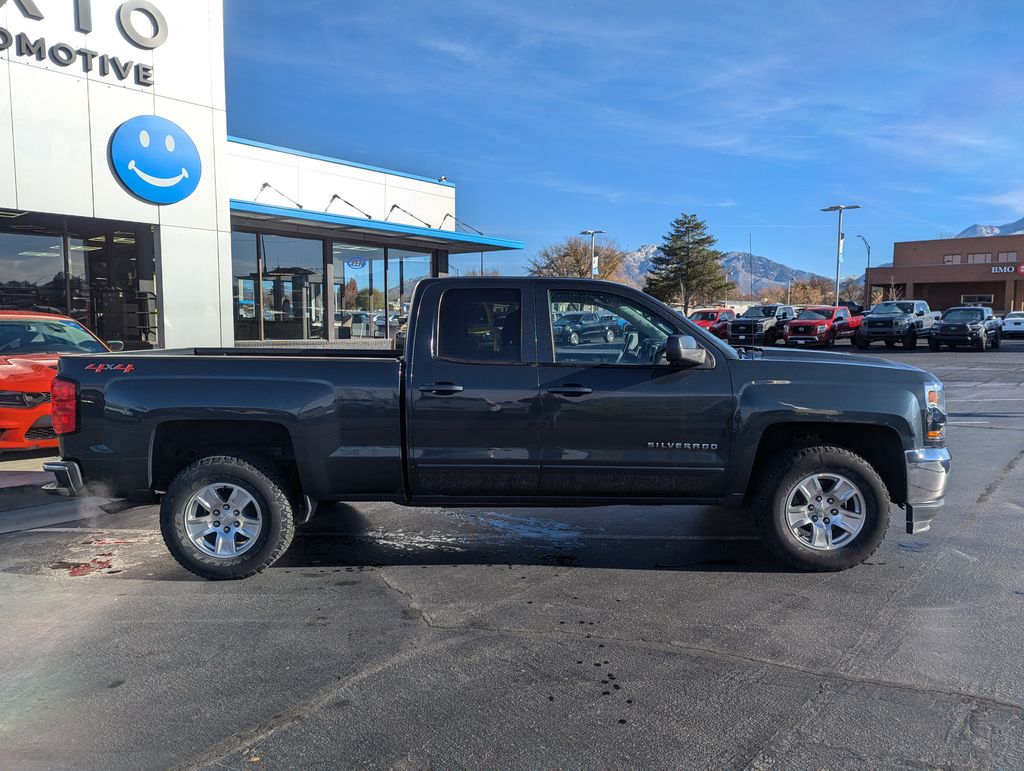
{"type": "Point", "coordinates": [758, 311]}
{"type": "Point", "coordinates": [811, 313]}
{"type": "Point", "coordinates": [1015, 315]}
{"type": "Point", "coordinates": [703, 315]}
{"type": "Point", "coordinates": [964, 314]}
{"type": "Point", "coordinates": [25, 336]}
{"type": "Point", "coordinates": [893, 307]}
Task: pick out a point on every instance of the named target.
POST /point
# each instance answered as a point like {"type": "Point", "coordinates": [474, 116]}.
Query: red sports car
{"type": "Point", "coordinates": [714, 320]}
{"type": "Point", "coordinates": [30, 344]}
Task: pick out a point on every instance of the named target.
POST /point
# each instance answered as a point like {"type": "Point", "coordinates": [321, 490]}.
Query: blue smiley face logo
{"type": "Point", "coordinates": [155, 159]}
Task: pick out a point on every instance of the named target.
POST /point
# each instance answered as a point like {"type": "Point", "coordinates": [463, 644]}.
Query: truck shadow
{"type": "Point", "coordinates": [626, 538]}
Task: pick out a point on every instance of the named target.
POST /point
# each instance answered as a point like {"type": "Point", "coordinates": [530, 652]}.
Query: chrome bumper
{"type": "Point", "coordinates": [68, 478]}
{"type": "Point", "coordinates": [927, 476]}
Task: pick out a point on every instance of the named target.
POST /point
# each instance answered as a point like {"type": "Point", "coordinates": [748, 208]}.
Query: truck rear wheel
{"type": "Point", "coordinates": [227, 517]}
{"type": "Point", "coordinates": [822, 508]}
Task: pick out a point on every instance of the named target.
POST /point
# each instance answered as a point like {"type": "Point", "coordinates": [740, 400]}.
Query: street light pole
{"type": "Point", "coordinates": [593, 253]}
{"type": "Point", "coordinates": [867, 286]}
{"type": "Point", "coordinates": [789, 296]}
{"type": "Point", "coordinates": [839, 239]}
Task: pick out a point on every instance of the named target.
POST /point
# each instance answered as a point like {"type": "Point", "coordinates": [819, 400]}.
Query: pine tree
{"type": "Point", "coordinates": [688, 269]}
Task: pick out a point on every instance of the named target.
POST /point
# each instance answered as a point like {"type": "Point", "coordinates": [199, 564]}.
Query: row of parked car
{"type": "Point", "coordinates": [893, 322]}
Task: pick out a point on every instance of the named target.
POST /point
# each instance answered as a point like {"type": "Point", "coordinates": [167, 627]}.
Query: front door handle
{"type": "Point", "coordinates": [441, 389]}
{"type": "Point", "coordinates": [571, 390]}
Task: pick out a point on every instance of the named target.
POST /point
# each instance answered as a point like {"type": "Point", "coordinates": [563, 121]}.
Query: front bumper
{"type": "Point", "coordinates": [68, 477]}
{"type": "Point", "coordinates": [807, 339]}
{"type": "Point", "coordinates": [884, 334]}
{"type": "Point", "coordinates": [927, 477]}
{"type": "Point", "coordinates": [747, 338]}
{"type": "Point", "coordinates": [959, 338]}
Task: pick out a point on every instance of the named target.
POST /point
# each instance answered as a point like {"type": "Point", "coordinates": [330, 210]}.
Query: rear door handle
{"type": "Point", "coordinates": [571, 390]}
{"type": "Point", "coordinates": [441, 389]}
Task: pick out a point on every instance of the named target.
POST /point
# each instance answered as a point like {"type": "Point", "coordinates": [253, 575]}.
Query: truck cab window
{"type": "Point", "coordinates": [480, 325]}
{"type": "Point", "coordinates": [602, 328]}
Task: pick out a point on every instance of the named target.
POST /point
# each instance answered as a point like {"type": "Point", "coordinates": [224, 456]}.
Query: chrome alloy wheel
{"type": "Point", "coordinates": [223, 520]}
{"type": "Point", "coordinates": [825, 511]}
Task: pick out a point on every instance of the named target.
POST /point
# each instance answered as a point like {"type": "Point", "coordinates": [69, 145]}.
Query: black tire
{"type": "Point", "coordinates": [783, 474]}
{"type": "Point", "coordinates": [831, 341]}
{"type": "Point", "coordinates": [268, 488]}
{"type": "Point", "coordinates": [982, 344]}
{"type": "Point", "coordinates": [861, 342]}
{"type": "Point", "coordinates": [574, 338]}
{"type": "Point", "coordinates": [933, 344]}
{"type": "Point", "coordinates": [910, 339]}
{"type": "Point", "coordinates": [609, 336]}
{"type": "Point", "coordinates": [997, 340]}
{"type": "Point", "coordinates": [771, 337]}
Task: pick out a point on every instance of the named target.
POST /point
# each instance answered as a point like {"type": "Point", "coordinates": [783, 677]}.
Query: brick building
{"type": "Point", "coordinates": [987, 270]}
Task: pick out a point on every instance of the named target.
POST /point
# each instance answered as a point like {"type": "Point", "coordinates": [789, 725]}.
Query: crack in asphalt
{"type": "Point", "coordinates": [250, 740]}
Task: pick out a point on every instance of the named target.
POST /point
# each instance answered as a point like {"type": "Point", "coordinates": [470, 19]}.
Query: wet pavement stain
{"type": "Point", "coordinates": [914, 545]}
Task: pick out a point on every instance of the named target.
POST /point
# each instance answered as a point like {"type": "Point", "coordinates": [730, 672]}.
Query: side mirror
{"type": "Point", "coordinates": [920, 313]}
{"type": "Point", "coordinates": [115, 346]}
{"type": "Point", "coordinates": [683, 351]}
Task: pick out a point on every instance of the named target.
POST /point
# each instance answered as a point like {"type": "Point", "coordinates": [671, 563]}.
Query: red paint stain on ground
{"type": "Point", "coordinates": [76, 569]}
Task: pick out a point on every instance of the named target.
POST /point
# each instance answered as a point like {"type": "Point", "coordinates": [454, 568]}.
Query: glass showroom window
{"type": "Point", "coordinates": [358, 290]}
{"type": "Point", "coordinates": [244, 270]}
{"type": "Point", "coordinates": [405, 270]}
{"type": "Point", "coordinates": [32, 272]}
{"type": "Point", "coordinates": [292, 288]}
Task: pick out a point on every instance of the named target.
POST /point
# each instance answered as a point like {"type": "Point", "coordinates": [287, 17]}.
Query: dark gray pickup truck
{"type": "Point", "coordinates": [487, 407]}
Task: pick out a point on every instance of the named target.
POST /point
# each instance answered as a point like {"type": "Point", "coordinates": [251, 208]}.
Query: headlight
{"type": "Point", "coordinates": [759, 327]}
{"type": "Point", "coordinates": [22, 399]}
{"type": "Point", "coordinates": [821, 328]}
{"type": "Point", "coordinates": [935, 423]}
{"type": "Point", "coordinates": [900, 323]}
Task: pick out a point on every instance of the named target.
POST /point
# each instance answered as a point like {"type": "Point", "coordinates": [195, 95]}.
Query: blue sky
{"type": "Point", "coordinates": [553, 117]}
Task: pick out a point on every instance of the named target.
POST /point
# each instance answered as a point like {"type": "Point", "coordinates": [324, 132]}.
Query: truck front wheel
{"type": "Point", "coordinates": [822, 508]}
{"type": "Point", "coordinates": [227, 517]}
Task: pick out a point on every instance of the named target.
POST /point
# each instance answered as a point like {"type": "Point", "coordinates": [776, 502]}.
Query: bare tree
{"type": "Point", "coordinates": [570, 258]}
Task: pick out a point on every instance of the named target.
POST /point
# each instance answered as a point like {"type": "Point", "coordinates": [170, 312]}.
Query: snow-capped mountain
{"type": "Point", "coordinates": [737, 265]}
{"type": "Point", "coordinates": [1009, 229]}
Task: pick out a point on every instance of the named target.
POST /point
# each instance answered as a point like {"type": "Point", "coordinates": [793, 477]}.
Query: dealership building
{"type": "Point", "coordinates": [124, 202]}
{"type": "Point", "coordinates": [946, 272]}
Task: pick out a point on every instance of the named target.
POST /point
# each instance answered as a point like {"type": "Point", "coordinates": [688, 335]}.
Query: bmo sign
{"type": "Point", "coordinates": [1019, 269]}
{"type": "Point", "coordinates": [140, 22]}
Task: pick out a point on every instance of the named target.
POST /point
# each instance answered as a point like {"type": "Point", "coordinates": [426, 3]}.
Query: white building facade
{"type": "Point", "coordinates": [124, 203]}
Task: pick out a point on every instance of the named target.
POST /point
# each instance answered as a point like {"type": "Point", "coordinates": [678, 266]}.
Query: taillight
{"type": "Point", "coordinates": [64, 406]}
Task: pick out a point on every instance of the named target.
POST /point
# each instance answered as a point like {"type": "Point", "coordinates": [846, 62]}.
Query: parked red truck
{"type": "Point", "coordinates": [714, 320]}
{"type": "Point", "coordinates": [821, 325]}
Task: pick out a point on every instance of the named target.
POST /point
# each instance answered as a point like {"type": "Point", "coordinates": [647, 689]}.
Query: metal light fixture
{"type": "Point", "coordinates": [593, 254]}
{"type": "Point", "coordinates": [839, 238]}
{"type": "Point", "coordinates": [867, 286]}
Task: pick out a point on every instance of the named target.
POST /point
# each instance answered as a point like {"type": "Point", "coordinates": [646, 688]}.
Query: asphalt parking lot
{"type": "Point", "coordinates": [392, 637]}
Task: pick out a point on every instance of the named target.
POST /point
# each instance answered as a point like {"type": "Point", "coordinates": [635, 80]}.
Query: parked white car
{"type": "Point", "coordinates": [1013, 324]}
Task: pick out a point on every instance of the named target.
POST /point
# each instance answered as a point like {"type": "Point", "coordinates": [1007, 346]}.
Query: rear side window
{"type": "Point", "coordinates": [483, 325]}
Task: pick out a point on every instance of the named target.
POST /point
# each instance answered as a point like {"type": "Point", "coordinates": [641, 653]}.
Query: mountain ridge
{"type": "Point", "coordinates": [1009, 229]}
{"type": "Point", "coordinates": [739, 266]}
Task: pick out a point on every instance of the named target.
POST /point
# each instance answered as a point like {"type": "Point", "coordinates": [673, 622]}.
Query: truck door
{"type": "Point", "coordinates": [618, 420]}
{"type": "Point", "coordinates": [473, 394]}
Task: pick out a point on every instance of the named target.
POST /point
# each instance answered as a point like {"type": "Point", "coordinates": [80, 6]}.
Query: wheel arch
{"type": "Point", "coordinates": [178, 443]}
{"type": "Point", "coordinates": [879, 445]}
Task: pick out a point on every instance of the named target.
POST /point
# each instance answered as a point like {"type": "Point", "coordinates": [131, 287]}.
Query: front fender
{"type": "Point", "coordinates": [761, 404]}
